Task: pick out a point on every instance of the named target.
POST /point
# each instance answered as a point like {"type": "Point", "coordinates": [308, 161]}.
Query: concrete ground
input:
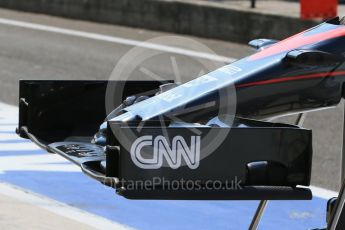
{"type": "Point", "coordinates": [16, 214]}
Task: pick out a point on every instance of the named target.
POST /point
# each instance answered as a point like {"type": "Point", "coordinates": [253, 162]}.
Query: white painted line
{"type": "Point", "coordinates": [113, 39]}
{"type": "Point", "coordinates": [8, 128]}
{"type": "Point", "coordinates": [38, 162]}
{"type": "Point", "coordinates": [8, 114]}
{"type": "Point", "coordinates": [59, 208]}
{"type": "Point", "coordinates": [8, 137]}
{"type": "Point", "coordinates": [5, 107]}
{"type": "Point", "coordinates": [8, 119]}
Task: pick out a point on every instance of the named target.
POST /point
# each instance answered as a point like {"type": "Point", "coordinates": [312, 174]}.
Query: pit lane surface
{"type": "Point", "coordinates": [32, 53]}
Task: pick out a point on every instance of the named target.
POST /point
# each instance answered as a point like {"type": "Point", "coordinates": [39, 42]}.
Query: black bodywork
{"type": "Point", "coordinates": [271, 160]}
{"type": "Point", "coordinates": [60, 116]}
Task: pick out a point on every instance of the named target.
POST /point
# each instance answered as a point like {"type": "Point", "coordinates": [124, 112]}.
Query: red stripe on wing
{"type": "Point", "coordinates": [292, 78]}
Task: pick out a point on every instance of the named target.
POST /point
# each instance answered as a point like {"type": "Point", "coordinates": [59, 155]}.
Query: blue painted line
{"type": "Point", "coordinates": [58, 163]}
{"type": "Point", "coordinates": [14, 141]}
{"type": "Point", "coordinates": [7, 132]}
{"type": "Point", "coordinates": [298, 214]}
{"type": "Point", "coordinates": [20, 153]}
